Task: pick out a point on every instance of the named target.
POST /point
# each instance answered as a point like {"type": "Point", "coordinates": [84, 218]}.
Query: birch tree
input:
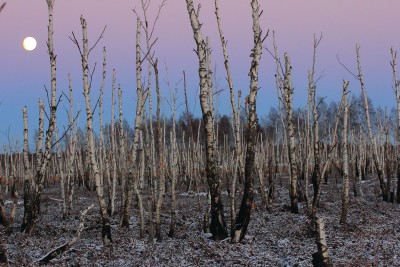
{"type": "Point", "coordinates": [84, 53]}
{"type": "Point", "coordinates": [316, 140]}
{"type": "Point", "coordinates": [235, 111]}
{"type": "Point", "coordinates": [113, 149]}
{"type": "Point", "coordinates": [33, 189]}
{"type": "Point", "coordinates": [218, 225]}
{"type": "Point", "coordinates": [372, 138]}
{"type": "Point", "coordinates": [345, 160]}
{"type": "Point", "coordinates": [132, 183]}
{"type": "Point", "coordinates": [397, 93]}
{"type": "Point", "coordinates": [287, 96]}
{"type": "Point", "coordinates": [173, 162]}
{"type": "Point", "coordinates": [243, 218]}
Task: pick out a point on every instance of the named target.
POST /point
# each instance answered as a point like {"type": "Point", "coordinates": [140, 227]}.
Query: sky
{"type": "Point", "coordinates": [343, 24]}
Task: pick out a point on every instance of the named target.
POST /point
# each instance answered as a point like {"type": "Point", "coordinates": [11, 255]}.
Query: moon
{"type": "Point", "coordinates": [29, 43]}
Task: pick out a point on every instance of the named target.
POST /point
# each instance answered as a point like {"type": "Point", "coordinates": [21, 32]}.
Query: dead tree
{"type": "Point", "coordinates": [279, 81]}
{"type": "Point", "coordinates": [160, 171]}
{"type": "Point", "coordinates": [218, 225]}
{"type": "Point", "coordinates": [243, 218]}
{"type": "Point", "coordinates": [68, 181]}
{"type": "Point", "coordinates": [132, 182]}
{"type": "Point", "coordinates": [113, 150]}
{"type": "Point", "coordinates": [329, 154]}
{"type": "Point", "coordinates": [397, 92]}
{"type": "Point", "coordinates": [104, 165]}
{"type": "Point", "coordinates": [321, 257]}
{"type": "Point", "coordinates": [33, 189]}
{"type": "Point", "coordinates": [122, 167]}
{"type": "Point", "coordinates": [316, 174]}
{"type": "Point", "coordinates": [173, 162]}
{"type": "Point", "coordinates": [161, 159]}
{"type": "Point", "coordinates": [236, 117]}
{"type": "Point", "coordinates": [287, 96]}
{"type": "Point", "coordinates": [84, 53]}
{"type": "Point", "coordinates": [345, 160]}
{"type": "Point", "coordinates": [372, 138]}
{"type": "Point", "coordinates": [26, 174]}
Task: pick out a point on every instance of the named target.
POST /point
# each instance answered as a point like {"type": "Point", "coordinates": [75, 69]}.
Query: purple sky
{"type": "Point", "coordinates": [343, 23]}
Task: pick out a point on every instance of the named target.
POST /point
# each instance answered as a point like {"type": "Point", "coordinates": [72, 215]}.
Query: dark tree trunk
{"type": "Point", "coordinates": [3, 217]}
{"type": "Point", "coordinates": [31, 207]}
{"type": "Point", "coordinates": [239, 229]}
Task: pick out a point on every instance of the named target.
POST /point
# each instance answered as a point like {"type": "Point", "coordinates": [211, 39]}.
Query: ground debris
{"type": "Point", "coordinates": [370, 238]}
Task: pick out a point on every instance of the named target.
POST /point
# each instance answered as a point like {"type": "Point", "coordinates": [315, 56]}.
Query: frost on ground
{"type": "Point", "coordinates": [276, 238]}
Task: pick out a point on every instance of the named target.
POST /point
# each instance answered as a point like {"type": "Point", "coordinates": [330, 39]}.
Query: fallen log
{"type": "Point", "coordinates": [66, 246]}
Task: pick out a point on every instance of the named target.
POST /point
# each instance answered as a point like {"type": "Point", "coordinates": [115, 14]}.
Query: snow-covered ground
{"type": "Point", "coordinates": [276, 238]}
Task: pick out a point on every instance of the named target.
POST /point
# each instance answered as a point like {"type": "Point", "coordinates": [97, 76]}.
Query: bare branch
{"type": "Point", "coordinates": [75, 41]}
{"type": "Point", "coordinates": [2, 6]}
{"type": "Point", "coordinates": [66, 130]}
{"type": "Point", "coordinates": [98, 39]}
{"type": "Point", "coordinates": [156, 19]}
{"type": "Point", "coordinates": [91, 76]}
{"type": "Point", "coordinates": [348, 70]}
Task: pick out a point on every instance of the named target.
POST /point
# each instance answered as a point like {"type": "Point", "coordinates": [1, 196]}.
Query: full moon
{"type": "Point", "coordinates": [29, 43]}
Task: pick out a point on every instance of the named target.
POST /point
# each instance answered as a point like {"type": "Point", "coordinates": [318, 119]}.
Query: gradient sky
{"type": "Point", "coordinates": [343, 23]}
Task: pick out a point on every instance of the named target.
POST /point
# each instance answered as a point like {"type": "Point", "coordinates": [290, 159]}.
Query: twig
{"type": "Point", "coordinates": [348, 70]}
{"type": "Point", "coordinates": [56, 199]}
{"type": "Point", "coordinates": [98, 39]}
{"type": "Point", "coordinates": [66, 131]}
{"type": "Point", "coordinates": [2, 6]}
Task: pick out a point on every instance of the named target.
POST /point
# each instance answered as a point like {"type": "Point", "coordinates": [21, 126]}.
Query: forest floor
{"type": "Point", "coordinates": [276, 238]}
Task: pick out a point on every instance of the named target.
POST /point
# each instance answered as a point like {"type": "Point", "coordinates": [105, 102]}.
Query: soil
{"type": "Point", "coordinates": [275, 238]}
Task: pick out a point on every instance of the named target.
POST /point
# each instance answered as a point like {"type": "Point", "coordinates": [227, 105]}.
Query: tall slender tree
{"type": "Point", "coordinates": [33, 189]}
{"type": "Point", "coordinates": [372, 138]}
{"type": "Point", "coordinates": [345, 157]}
{"type": "Point", "coordinates": [132, 183]}
{"type": "Point", "coordinates": [243, 218]}
{"type": "Point", "coordinates": [397, 93]}
{"type": "Point", "coordinates": [288, 101]}
{"type": "Point", "coordinates": [91, 147]}
{"type": "Point", "coordinates": [218, 225]}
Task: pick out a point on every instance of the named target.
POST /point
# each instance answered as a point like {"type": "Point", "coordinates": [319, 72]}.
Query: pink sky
{"type": "Point", "coordinates": [372, 24]}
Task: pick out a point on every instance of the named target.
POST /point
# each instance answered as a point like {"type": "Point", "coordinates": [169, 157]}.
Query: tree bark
{"type": "Point", "coordinates": [236, 117]}
{"type": "Point", "coordinates": [106, 228]}
{"type": "Point", "coordinates": [376, 160]}
{"type": "Point", "coordinates": [288, 98]}
{"type": "Point", "coordinates": [132, 182]}
{"type": "Point", "coordinates": [397, 92]}
{"type": "Point", "coordinates": [113, 149]}
{"type": "Point", "coordinates": [243, 218]}
{"type": "Point", "coordinates": [218, 225]}
{"type": "Point", "coordinates": [321, 258]}
{"type": "Point", "coordinates": [316, 174]}
{"type": "Point", "coordinates": [32, 190]}
{"type": "Point", "coordinates": [345, 161]}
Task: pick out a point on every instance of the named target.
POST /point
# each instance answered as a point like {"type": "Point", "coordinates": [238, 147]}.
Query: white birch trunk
{"type": "Point", "coordinates": [218, 226]}
{"type": "Point", "coordinates": [377, 161]}
{"type": "Point", "coordinates": [132, 183]}
{"type": "Point", "coordinates": [345, 161]}
{"type": "Point", "coordinates": [106, 228]}
{"type": "Point", "coordinates": [397, 92]}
